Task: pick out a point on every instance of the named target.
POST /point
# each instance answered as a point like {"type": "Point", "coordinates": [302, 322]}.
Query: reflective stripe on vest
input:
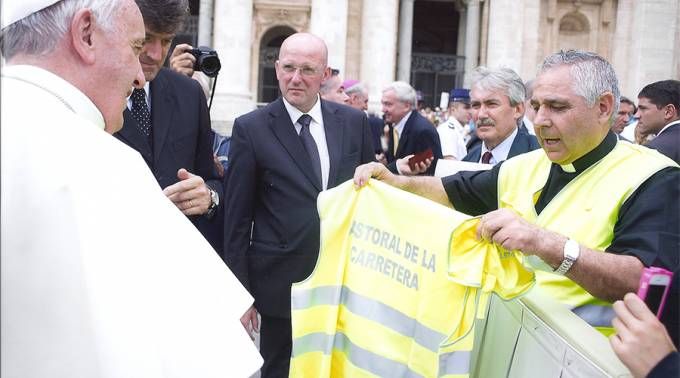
{"type": "Point", "coordinates": [586, 209]}
{"type": "Point", "coordinates": [390, 299]}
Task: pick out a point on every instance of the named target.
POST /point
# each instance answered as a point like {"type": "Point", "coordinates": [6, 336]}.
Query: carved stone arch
{"type": "Point", "coordinates": [270, 43]}
{"type": "Point", "coordinates": [574, 32]}
{"type": "Point", "coordinates": [270, 16]}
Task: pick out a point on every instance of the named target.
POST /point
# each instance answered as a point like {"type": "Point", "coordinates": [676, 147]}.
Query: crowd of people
{"type": "Point", "coordinates": [583, 180]}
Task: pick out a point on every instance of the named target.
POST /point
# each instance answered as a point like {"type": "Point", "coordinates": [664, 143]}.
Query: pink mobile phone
{"type": "Point", "coordinates": [653, 289]}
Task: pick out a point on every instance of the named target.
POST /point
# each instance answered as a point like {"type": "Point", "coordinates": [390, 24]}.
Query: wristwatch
{"type": "Point", "coordinates": [571, 253]}
{"type": "Point", "coordinates": [214, 202]}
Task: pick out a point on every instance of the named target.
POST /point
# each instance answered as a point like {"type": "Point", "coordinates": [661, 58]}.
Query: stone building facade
{"type": "Point", "coordinates": [432, 44]}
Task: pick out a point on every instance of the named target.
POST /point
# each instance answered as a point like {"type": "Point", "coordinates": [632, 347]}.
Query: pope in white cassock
{"type": "Point", "coordinates": [79, 299]}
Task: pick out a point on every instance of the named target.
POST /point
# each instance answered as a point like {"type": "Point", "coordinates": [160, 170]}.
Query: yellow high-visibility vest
{"type": "Point", "coordinates": [586, 209]}
{"type": "Point", "coordinates": [396, 287]}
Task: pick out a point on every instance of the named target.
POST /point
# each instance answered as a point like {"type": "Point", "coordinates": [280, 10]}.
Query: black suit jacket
{"type": "Point", "coordinates": [182, 138]}
{"type": "Point", "coordinates": [668, 142]}
{"type": "Point", "coordinates": [377, 125]}
{"type": "Point", "coordinates": [417, 136]}
{"type": "Point", "coordinates": [524, 142]}
{"type": "Point", "coordinates": [271, 236]}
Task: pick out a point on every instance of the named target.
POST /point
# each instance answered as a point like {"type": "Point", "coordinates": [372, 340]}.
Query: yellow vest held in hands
{"type": "Point", "coordinates": [396, 287]}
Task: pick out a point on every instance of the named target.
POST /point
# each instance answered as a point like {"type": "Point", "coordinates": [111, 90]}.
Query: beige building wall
{"type": "Point", "coordinates": [640, 37]}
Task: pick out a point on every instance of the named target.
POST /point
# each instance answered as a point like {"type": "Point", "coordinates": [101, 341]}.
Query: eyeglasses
{"type": "Point", "coordinates": [304, 70]}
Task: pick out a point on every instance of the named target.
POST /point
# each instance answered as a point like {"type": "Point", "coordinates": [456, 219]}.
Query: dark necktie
{"type": "Point", "coordinates": [310, 145]}
{"type": "Point", "coordinates": [486, 158]}
{"type": "Point", "coordinates": [140, 112]}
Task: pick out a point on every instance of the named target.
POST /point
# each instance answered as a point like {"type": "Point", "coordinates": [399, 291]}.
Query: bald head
{"type": "Point", "coordinates": [305, 42]}
{"type": "Point", "coordinates": [301, 68]}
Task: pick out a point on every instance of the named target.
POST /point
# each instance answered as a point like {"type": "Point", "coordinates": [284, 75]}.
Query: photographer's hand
{"type": "Point", "coordinates": [641, 340]}
{"type": "Point", "coordinates": [181, 60]}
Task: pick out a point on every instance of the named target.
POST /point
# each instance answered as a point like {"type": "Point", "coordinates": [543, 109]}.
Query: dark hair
{"type": "Point", "coordinates": [626, 100]}
{"type": "Point", "coordinates": [663, 93]}
{"type": "Point", "coordinates": [164, 16]}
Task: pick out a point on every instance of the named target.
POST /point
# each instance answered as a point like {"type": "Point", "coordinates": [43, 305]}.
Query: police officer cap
{"type": "Point", "coordinates": [15, 10]}
{"type": "Point", "coordinates": [460, 95]}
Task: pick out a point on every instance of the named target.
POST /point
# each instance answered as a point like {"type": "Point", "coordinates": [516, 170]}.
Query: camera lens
{"type": "Point", "coordinates": [210, 65]}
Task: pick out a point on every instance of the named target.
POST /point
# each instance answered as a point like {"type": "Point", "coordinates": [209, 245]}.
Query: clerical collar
{"type": "Point", "coordinates": [596, 154]}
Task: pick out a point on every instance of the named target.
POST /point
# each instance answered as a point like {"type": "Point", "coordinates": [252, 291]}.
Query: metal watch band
{"type": "Point", "coordinates": [571, 254]}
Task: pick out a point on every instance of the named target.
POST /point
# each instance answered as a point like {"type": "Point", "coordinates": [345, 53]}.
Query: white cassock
{"type": "Point", "coordinates": [102, 276]}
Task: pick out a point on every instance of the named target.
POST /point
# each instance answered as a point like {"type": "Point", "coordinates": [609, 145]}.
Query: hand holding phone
{"type": "Point", "coordinates": [653, 289]}
{"type": "Point", "coordinates": [419, 158]}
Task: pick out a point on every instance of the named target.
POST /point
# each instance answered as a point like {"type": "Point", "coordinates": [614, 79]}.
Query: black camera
{"type": "Point", "coordinates": [206, 61]}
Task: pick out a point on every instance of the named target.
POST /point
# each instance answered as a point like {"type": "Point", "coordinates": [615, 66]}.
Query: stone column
{"type": "Point", "coordinates": [462, 26]}
{"type": "Point", "coordinates": [378, 47]}
{"type": "Point", "coordinates": [205, 26]}
{"type": "Point", "coordinates": [505, 35]}
{"type": "Point", "coordinates": [405, 40]}
{"type": "Point", "coordinates": [653, 57]}
{"type": "Point", "coordinates": [471, 39]}
{"type": "Point", "coordinates": [329, 21]}
{"type": "Point", "coordinates": [233, 36]}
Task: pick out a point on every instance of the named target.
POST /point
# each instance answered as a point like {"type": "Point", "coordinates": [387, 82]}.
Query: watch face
{"type": "Point", "coordinates": [571, 250]}
{"type": "Point", "coordinates": [215, 199]}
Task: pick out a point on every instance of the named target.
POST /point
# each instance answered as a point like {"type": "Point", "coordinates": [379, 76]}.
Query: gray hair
{"type": "Point", "coordinates": [503, 79]}
{"type": "Point", "coordinates": [404, 92]}
{"type": "Point", "coordinates": [40, 32]}
{"type": "Point", "coordinates": [529, 87]}
{"type": "Point", "coordinates": [327, 85]}
{"type": "Point", "coordinates": [356, 88]}
{"type": "Point", "coordinates": [592, 75]}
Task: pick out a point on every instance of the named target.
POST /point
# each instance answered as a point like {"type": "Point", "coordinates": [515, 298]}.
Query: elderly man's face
{"type": "Point", "coordinates": [336, 92]}
{"type": "Point", "coordinates": [119, 64]}
{"type": "Point", "coordinates": [393, 108]}
{"type": "Point", "coordinates": [495, 118]}
{"type": "Point", "coordinates": [358, 100]}
{"type": "Point", "coordinates": [301, 69]}
{"type": "Point", "coordinates": [566, 127]}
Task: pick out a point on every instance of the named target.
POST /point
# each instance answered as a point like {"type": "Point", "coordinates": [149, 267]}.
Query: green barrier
{"type": "Point", "coordinates": [536, 336]}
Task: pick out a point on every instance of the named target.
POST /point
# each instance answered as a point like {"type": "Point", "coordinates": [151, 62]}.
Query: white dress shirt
{"type": "Point", "coordinates": [318, 133]}
{"type": "Point", "coordinates": [500, 152]}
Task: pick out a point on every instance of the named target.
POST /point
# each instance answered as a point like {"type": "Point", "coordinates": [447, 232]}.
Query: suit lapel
{"type": "Point", "coordinates": [519, 145]}
{"type": "Point", "coordinates": [333, 124]}
{"type": "Point", "coordinates": [284, 130]}
{"type": "Point", "coordinates": [131, 135]}
{"type": "Point", "coordinates": [162, 112]}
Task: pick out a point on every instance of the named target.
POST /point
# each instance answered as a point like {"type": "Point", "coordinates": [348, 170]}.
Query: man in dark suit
{"type": "Point", "coordinates": [412, 132]}
{"type": "Point", "coordinates": [497, 99]}
{"type": "Point", "coordinates": [281, 156]}
{"type": "Point", "coordinates": [168, 123]}
{"type": "Point", "coordinates": [659, 112]}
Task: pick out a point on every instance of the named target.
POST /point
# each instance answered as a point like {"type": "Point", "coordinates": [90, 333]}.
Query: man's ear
{"type": "Point", "coordinates": [82, 31]}
{"type": "Point", "coordinates": [326, 74]}
{"type": "Point", "coordinates": [606, 107]}
{"type": "Point", "coordinates": [670, 112]}
{"type": "Point", "coordinates": [519, 110]}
